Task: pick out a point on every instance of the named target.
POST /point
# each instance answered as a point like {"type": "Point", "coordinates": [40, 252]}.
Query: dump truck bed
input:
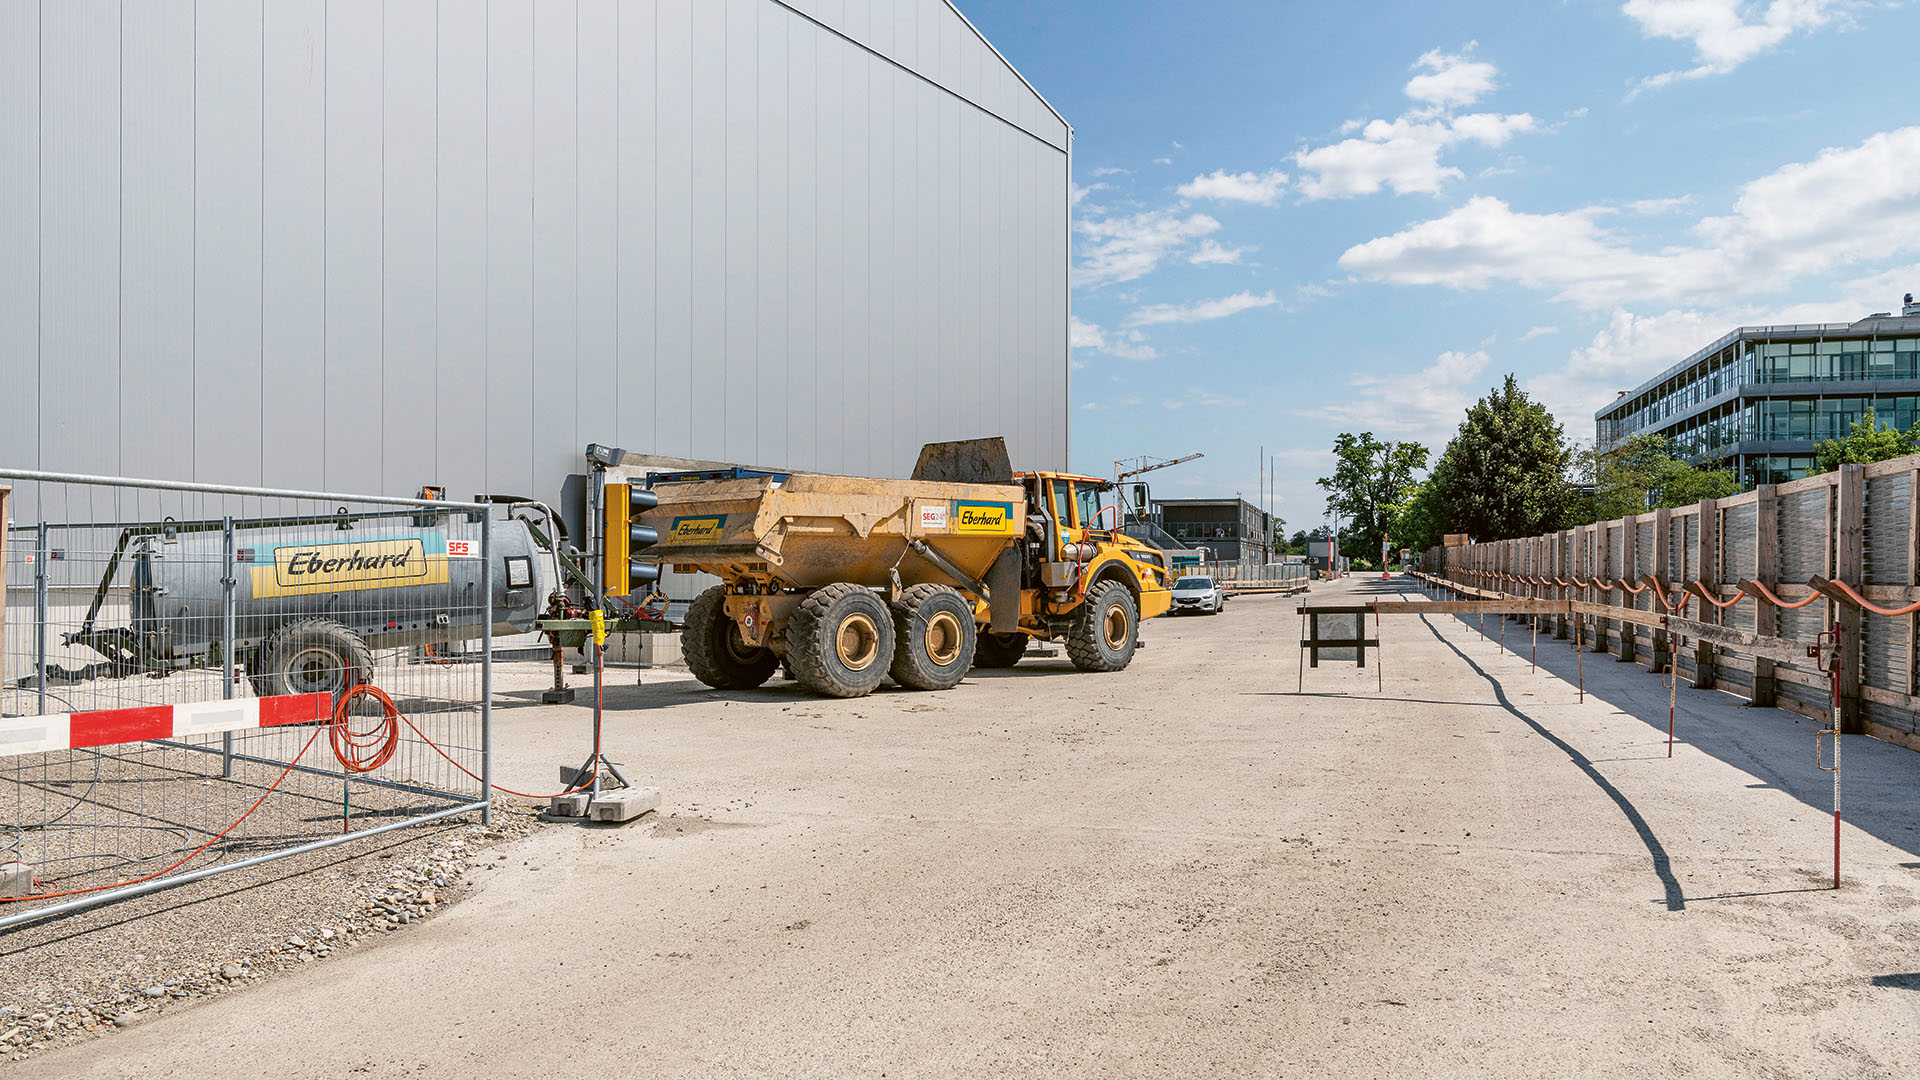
{"type": "Point", "coordinates": [806, 530]}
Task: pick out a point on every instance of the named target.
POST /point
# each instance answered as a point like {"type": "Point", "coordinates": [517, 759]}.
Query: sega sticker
{"type": "Point", "coordinates": [933, 516]}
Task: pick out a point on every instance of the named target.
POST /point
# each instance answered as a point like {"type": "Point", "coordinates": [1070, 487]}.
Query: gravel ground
{"type": "Point", "coordinates": [106, 969]}
{"type": "Point", "coordinates": [1184, 869]}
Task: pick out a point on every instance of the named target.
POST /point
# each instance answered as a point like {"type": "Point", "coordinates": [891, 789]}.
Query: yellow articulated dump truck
{"type": "Point", "coordinates": [852, 579]}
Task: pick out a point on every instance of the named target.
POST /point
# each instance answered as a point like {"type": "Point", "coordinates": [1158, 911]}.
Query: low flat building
{"type": "Point", "coordinates": [1761, 398]}
{"type": "Point", "coordinates": [1231, 530]}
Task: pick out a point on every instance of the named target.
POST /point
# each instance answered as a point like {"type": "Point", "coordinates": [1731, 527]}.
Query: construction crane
{"type": "Point", "coordinates": [1121, 472]}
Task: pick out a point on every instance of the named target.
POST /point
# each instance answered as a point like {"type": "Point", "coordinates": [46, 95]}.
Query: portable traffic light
{"type": "Point", "coordinates": [620, 572]}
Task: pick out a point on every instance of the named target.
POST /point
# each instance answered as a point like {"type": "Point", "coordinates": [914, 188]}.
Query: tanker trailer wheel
{"type": "Point", "coordinates": [1102, 637]}
{"type": "Point", "coordinates": [1000, 650]}
{"type": "Point", "coordinates": [934, 638]}
{"type": "Point", "coordinates": [714, 651]}
{"type": "Point", "coordinates": [840, 640]}
{"type": "Point", "coordinates": [313, 656]}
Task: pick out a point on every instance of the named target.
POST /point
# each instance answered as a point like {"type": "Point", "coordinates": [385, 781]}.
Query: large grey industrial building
{"type": "Point", "coordinates": [363, 246]}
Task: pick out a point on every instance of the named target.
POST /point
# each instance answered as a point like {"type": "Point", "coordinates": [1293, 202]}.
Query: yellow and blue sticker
{"type": "Point", "coordinates": [983, 518]}
{"type": "Point", "coordinates": [299, 569]}
{"type": "Point", "coordinates": [694, 530]}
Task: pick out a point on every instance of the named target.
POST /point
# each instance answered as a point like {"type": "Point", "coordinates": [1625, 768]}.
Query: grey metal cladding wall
{"type": "Point", "coordinates": [370, 244]}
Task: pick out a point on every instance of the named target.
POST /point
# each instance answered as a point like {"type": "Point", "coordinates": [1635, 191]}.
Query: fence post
{"type": "Point", "coordinates": [1706, 562]}
{"type": "Point", "coordinates": [486, 667]}
{"type": "Point", "coordinates": [40, 613]}
{"type": "Point", "coordinates": [227, 582]}
{"type": "Point", "coordinates": [1850, 565]}
{"type": "Point", "coordinates": [1766, 563]}
{"type": "Point", "coordinates": [1626, 571]}
{"type": "Point", "coordinates": [1913, 577]}
{"type": "Point", "coordinates": [1662, 551]}
{"type": "Point", "coordinates": [1561, 540]}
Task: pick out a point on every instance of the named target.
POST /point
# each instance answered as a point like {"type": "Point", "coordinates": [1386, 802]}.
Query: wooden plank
{"type": "Point", "coordinates": [1628, 571]}
{"type": "Point", "coordinates": [1850, 566]}
{"type": "Point", "coordinates": [1891, 698]}
{"type": "Point", "coordinates": [1807, 711]}
{"type": "Point", "coordinates": [1766, 564]}
{"type": "Point", "coordinates": [1706, 560]}
{"type": "Point", "coordinates": [1514, 606]}
{"type": "Point", "coordinates": [1727, 686]}
{"type": "Point", "coordinates": [1893, 735]}
{"type": "Point", "coordinates": [1662, 550]}
{"type": "Point", "coordinates": [1777, 649]}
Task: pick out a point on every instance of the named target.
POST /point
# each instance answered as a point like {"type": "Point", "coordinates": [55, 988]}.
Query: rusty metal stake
{"type": "Point", "coordinates": [1673, 696]}
{"type": "Point", "coordinates": [1829, 661]}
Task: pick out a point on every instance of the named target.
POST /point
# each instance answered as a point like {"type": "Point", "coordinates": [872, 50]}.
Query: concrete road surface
{"type": "Point", "coordinates": [1183, 870]}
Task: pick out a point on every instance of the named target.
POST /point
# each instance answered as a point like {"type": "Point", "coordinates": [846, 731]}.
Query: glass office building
{"type": "Point", "coordinates": [1760, 399]}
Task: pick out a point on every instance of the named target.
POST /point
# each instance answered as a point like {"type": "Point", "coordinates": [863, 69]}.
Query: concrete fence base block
{"type": "Point", "coordinates": [624, 804]}
{"type": "Point", "coordinates": [16, 879]}
{"type": "Point", "coordinates": [569, 806]}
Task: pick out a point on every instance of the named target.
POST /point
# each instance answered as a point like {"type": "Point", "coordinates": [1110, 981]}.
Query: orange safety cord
{"type": "Point", "coordinates": [1873, 607]}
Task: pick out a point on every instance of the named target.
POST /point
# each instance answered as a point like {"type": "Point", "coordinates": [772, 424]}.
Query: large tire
{"type": "Point", "coordinates": [1104, 629]}
{"type": "Point", "coordinates": [999, 650]}
{"type": "Point", "coordinates": [840, 641]}
{"type": "Point", "coordinates": [711, 645]}
{"type": "Point", "coordinates": [934, 638]}
{"type": "Point", "coordinates": [312, 656]}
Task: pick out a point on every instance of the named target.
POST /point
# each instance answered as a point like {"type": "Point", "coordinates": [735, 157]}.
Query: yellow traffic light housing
{"type": "Point", "coordinates": [621, 540]}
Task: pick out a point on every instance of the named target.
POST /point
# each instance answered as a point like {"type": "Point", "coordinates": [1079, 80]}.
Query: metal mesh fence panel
{"type": "Point", "coordinates": [199, 678]}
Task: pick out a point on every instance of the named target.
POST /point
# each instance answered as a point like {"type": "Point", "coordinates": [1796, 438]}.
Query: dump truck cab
{"type": "Point", "coordinates": [1075, 546]}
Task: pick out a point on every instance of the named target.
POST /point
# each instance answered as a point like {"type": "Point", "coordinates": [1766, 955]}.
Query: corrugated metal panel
{"type": "Point", "coordinates": [1803, 535]}
{"type": "Point", "coordinates": [1738, 559]}
{"type": "Point", "coordinates": [1889, 501]}
{"type": "Point", "coordinates": [79, 312]}
{"type": "Point", "coordinates": [1898, 719]}
{"type": "Point", "coordinates": [1883, 644]}
{"type": "Point", "coordinates": [157, 271]}
{"type": "Point", "coordinates": [410, 198]}
{"type": "Point", "coordinates": [602, 284]}
{"type": "Point", "coordinates": [509, 262]}
{"type": "Point", "coordinates": [293, 316]}
{"type": "Point", "coordinates": [20, 232]}
{"type": "Point", "coordinates": [227, 112]}
{"type": "Point", "coordinates": [1689, 560]}
{"type": "Point", "coordinates": [418, 257]}
{"type": "Point", "coordinates": [554, 447]}
{"type": "Point", "coordinates": [356, 409]}
{"type": "Point", "coordinates": [461, 242]}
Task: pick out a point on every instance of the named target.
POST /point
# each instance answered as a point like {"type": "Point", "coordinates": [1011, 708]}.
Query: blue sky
{"type": "Point", "coordinates": [1295, 219]}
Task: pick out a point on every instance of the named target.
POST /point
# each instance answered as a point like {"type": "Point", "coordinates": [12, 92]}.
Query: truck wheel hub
{"type": "Point", "coordinates": [857, 642]}
{"type": "Point", "coordinates": [944, 636]}
{"type": "Point", "coordinates": [1116, 627]}
{"type": "Point", "coordinates": [311, 671]}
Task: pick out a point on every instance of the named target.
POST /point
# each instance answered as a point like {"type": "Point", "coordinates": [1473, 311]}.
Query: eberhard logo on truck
{"type": "Point", "coordinates": [298, 569]}
{"type": "Point", "coordinates": [688, 530]}
{"type": "Point", "coordinates": [982, 517]}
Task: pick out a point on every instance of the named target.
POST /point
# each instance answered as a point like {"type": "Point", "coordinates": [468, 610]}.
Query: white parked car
{"type": "Point", "coordinates": [1198, 594]}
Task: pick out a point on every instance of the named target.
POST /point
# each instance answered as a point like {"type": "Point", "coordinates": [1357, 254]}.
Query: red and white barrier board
{"type": "Point", "coordinates": [73, 731]}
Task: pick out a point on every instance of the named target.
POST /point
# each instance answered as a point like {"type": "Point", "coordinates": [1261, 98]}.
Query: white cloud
{"type": "Point", "coordinates": [1211, 253]}
{"type": "Point", "coordinates": [1725, 33]}
{"type": "Point", "coordinates": [1200, 311]}
{"type": "Point", "coordinates": [1084, 335]}
{"type": "Point", "coordinates": [1262, 188]}
{"type": "Point", "coordinates": [1846, 206]}
{"type": "Point", "coordinates": [1128, 247]}
{"type": "Point", "coordinates": [1539, 332]}
{"type": "Point", "coordinates": [1426, 406]}
{"type": "Point", "coordinates": [1656, 207]}
{"type": "Point", "coordinates": [1131, 345]}
{"type": "Point", "coordinates": [1404, 153]}
{"type": "Point", "coordinates": [1450, 80]}
{"type": "Point", "coordinates": [1163, 161]}
{"type": "Point", "coordinates": [1202, 399]}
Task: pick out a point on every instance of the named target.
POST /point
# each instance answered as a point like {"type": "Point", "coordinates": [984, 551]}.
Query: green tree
{"type": "Point", "coordinates": [1641, 474]}
{"type": "Point", "coordinates": [1504, 474]}
{"type": "Point", "coordinates": [1420, 522]}
{"type": "Point", "coordinates": [1370, 478]}
{"type": "Point", "coordinates": [1866, 442]}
